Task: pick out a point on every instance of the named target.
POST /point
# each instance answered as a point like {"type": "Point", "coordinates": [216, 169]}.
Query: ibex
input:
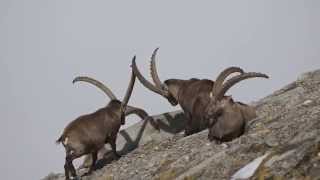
{"type": "Point", "coordinates": [227, 119]}
{"type": "Point", "coordinates": [193, 95]}
{"type": "Point", "coordinates": [88, 133]}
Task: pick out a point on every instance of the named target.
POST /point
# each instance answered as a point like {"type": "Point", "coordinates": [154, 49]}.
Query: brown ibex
{"type": "Point", "coordinates": [227, 119]}
{"type": "Point", "coordinates": [89, 133]}
{"type": "Point", "coordinates": [193, 95]}
{"type": "Point", "coordinates": [129, 111]}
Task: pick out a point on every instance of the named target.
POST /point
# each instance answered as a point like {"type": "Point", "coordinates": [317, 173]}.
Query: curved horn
{"type": "Point", "coordinates": [145, 82]}
{"type": "Point", "coordinates": [134, 110]}
{"type": "Point", "coordinates": [142, 114]}
{"type": "Point", "coordinates": [153, 70]}
{"type": "Point", "coordinates": [96, 83]}
{"type": "Point", "coordinates": [129, 89]}
{"type": "Point", "coordinates": [226, 86]}
{"type": "Point", "coordinates": [222, 76]}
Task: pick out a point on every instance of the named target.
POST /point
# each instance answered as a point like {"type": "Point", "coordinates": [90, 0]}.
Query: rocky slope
{"type": "Point", "coordinates": [285, 138]}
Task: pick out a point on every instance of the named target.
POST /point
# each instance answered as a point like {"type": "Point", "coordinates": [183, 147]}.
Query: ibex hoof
{"type": "Point", "coordinates": [86, 174]}
{"type": "Point", "coordinates": [224, 146]}
{"type": "Point", "coordinates": [75, 178]}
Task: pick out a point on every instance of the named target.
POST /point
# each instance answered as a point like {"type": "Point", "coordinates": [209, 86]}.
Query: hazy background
{"type": "Point", "coordinates": [44, 44]}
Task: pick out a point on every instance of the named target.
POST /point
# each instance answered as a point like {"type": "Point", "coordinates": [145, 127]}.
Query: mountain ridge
{"type": "Point", "coordinates": [286, 132]}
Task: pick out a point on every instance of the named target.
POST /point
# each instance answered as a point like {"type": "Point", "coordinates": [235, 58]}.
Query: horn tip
{"type": "Point", "coordinates": [154, 53]}
{"type": "Point", "coordinates": [75, 80]}
{"type": "Point", "coordinates": [133, 60]}
{"type": "Point", "coordinates": [239, 69]}
{"type": "Point", "coordinates": [264, 76]}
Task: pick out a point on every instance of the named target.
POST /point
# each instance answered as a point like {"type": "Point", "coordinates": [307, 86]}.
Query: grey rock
{"type": "Point", "coordinates": [288, 127]}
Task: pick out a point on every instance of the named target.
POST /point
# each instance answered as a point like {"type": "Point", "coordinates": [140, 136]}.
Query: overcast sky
{"type": "Point", "coordinates": [44, 44]}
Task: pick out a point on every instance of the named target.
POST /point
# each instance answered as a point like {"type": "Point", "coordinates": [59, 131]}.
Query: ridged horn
{"type": "Point", "coordinates": [231, 82]}
{"type": "Point", "coordinates": [129, 89]}
{"type": "Point", "coordinates": [153, 70]}
{"type": "Point", "coordinates": [145, 82]}
{"type": "Point", "coordinates": [96, 83]}
{"type": "Point", "coordinates": [222, 76]}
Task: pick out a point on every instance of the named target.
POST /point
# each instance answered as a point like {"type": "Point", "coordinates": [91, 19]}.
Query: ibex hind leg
{"type": "Point", "coordinates": [69, 168]}
{"type": "Point", "coordinates": [72, 154]}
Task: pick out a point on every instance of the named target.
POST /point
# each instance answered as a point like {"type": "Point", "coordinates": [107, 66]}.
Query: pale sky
{"type": "Point", "coordinates": [44, 44]}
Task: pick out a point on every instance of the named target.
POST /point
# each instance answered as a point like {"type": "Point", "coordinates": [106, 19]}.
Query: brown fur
{"type": "Point", "coordinates": [195, 96]}
{"type": "Point", "coordinates": [88, 133]}
{"type": "Point", "coordinates": [130, 110]}
{"type": "Point", "coordinates": [228, 119]}
{"type": "Point", "coordinates": [192, 95]}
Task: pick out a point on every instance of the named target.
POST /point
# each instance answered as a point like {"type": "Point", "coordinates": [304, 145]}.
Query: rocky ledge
{"type": "Point", "coordinates": [282, 143]}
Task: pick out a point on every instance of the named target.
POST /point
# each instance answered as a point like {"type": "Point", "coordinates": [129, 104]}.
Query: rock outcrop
{"type": "Point", "coordinates": [282, 143]}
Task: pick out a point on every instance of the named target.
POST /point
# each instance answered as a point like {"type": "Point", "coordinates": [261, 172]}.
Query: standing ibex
{"type": "Point", "coordinates": [194, 95]}
{"type": "Point", "coordinates": [128, 111]}
{"type": "Point", "coordinates": [89, 133]}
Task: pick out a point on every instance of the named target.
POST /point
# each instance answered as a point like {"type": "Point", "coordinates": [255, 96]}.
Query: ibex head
{"type": "Point", "coordinates": [115, 102]}
{"type": "Point", "coordinates": [169, 89]}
